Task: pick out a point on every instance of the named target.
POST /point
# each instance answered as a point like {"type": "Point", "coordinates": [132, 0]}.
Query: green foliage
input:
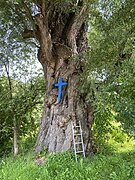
{"type": "Point", "coordinates": [108, 80]}
{"type": "Point", "coordinates": [119, 166]}
{"type": "Point", "coordinates": [27, 102]}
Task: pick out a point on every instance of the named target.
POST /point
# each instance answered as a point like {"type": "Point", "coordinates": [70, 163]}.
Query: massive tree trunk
{"type": "Point", "coordinates": [62, 39]}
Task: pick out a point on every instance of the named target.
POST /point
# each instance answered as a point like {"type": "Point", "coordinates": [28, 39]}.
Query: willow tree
{"type": "Point", "coordinates": [58, 28]}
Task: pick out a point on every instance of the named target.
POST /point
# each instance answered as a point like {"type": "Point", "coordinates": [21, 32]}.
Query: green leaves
{"type": "Point", "coordinates": [26, 100]}
{"type": "Point", "coordinates": [108, 80]}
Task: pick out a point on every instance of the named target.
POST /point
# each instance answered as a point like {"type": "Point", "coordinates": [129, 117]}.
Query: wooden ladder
{"type": "Point", "coordinates": [78, 140]}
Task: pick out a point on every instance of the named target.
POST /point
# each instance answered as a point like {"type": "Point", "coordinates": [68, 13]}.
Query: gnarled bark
{"type": "Point", "coordinates": [61, 37]}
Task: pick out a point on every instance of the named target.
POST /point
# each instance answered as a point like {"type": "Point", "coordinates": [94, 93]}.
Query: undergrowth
{"type": "Point", "coordinates": [117, 166]}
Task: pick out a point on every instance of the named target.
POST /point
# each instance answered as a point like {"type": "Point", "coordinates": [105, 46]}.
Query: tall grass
{"type": "Point", "coordinates": [118, 166]}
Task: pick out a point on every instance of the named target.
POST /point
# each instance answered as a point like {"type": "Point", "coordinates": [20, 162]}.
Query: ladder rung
{"type": "Point", "coordinates": [78, 143]}
{"type": "Point", "coordinates": [77, 131]}
{"type": "Point", "coordinates": [79, 151]}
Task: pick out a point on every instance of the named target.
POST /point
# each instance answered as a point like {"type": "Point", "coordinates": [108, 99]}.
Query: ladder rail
{"type": "Point", "coordinates": [74, 142]}
{"type": "Point", "coordinates": [82, 139]}
{"type": "Point", "coordinates": [79, 142]}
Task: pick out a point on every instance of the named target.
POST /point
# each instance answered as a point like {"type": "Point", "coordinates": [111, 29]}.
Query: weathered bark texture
{"type": "Point", "coordinates": [62, 36]}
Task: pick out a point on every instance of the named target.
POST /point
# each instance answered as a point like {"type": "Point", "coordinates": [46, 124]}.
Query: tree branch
{"type": "Point", "coordinates": [74, 27]}
{"type": "Point", "coordinates": [43, 8]}
{"type": "Point", "coordinates": [45, 37]}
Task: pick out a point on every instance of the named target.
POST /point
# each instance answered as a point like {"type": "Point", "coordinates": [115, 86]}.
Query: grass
{"type": "Point", "coordinates": [116, 166]}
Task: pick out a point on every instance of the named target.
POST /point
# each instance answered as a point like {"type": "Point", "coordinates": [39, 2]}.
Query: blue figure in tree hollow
{"type": "Point", "coordinates": [60, 84]}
